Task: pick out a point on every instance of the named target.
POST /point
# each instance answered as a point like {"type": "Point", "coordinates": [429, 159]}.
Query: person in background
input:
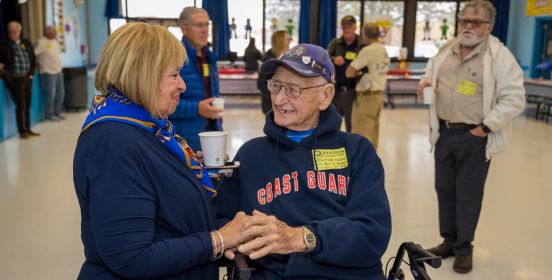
{"type": "Point", "coordinates": [371, 64]}
{"type": "Point", "coordinates": [144, 198]}
{"type": "Point", "coordinates": [195, 112]}
{"type": "Point", "coordinates": [48, 53]}
{"type": "Point", "coordinates": [251, 56]}
{"type": "Point", "coordinates": [19, 61]}
{"type": "Point", "coordinates": [343, 50]}
{"type": "Point", "coordinates": [317, 198]}
{"type": "Point", "coordinates": [478, 88]}
{"type": "Point", "coordinates": [280, 43]}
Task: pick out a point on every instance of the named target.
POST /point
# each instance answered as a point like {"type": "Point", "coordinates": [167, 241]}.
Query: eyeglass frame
{"type": "Point", "coordinates": [475, 23]}
{"type": "Point", "coordinates": [287, 89]}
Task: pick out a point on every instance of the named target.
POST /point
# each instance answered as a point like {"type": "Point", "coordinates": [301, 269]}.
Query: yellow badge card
{"type": "Point", "coordinates": [326, 159]}
{"type": "Point", "coordinates": [350, 55]}
{"type": "Point", "coordinates": [205, 70]}
{"type": "Point", "coordinates": [466, 88]}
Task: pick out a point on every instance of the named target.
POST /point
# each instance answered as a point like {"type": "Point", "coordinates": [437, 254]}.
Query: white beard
{"type": "Point", "coordinates": [469, 41]}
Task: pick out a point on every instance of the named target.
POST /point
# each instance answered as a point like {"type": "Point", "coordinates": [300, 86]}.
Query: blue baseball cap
{"type": "Point", "coordinates": [306, 60]}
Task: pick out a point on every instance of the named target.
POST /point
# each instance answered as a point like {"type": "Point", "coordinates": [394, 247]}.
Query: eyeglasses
{"type": "Point", "coordinates": [199, 25]}
{"type": "Point", "coordinates": [291, 90]}
{"type": "Point", "coordinates": [474, 22]}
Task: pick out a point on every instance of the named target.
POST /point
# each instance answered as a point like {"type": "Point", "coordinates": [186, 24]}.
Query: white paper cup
{"type": "Point", "coordinates": [213, 146]}
{"type": "Point", "coordinates": [428, 95]}
{"type": "Point", "coordinates": [218, 103]}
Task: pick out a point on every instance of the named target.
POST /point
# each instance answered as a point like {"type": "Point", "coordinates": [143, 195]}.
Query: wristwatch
{"type": "Point", "coordinates": [485, 128]}
{"type": "Point", "coordinates": [309, 238]}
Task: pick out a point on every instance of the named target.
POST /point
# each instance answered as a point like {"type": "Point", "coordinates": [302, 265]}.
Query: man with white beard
{"type": "Point", "coordinates": [478, 88]}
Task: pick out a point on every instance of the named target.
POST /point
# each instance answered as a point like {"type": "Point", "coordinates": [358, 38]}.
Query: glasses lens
{"type": "Point", "coordinates": [474, 22]}
{"type": "Point", "coordinates": [294, 91]}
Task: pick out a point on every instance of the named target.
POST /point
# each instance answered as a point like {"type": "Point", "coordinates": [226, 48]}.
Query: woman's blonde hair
{"type": "Point", "coordinates": [279, 42]}
{"type": "Point", "coordinates": [133, 60]}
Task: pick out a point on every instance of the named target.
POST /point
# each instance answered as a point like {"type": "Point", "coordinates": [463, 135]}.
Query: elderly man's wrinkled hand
{"type": "Point", "coordinates": [423, 83]}
{"type": "Point", "coordinates": [269, 235]}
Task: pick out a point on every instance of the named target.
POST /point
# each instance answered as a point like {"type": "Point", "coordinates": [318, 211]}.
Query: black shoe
{"type": "Point", "coordinates": [32, 133]}
{"type": "Point", "coordinates": [463, 264]}
{"type": "Point", "coordinates": [24, 135]}
{"type": "Point", "coordinates": [442, 251]}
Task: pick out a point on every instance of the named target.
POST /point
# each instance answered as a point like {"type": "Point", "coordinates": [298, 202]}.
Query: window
{"type": "Point", "coordinates": [159, 9]}
{"type": "Point", "coordinates": [244, 24]}
{"type": "Point", "coordinates": [389, 16]}
{"type": "Point", "coordinates": [435, 24]}
{"type": "Point", "coordinates": [282, 15]}
{"type": "Point", "coordinates": [348, 8]}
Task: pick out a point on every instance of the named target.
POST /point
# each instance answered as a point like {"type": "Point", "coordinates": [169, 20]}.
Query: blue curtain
{"type": "Point", "coordinates": [112, 9]}
{"type": "Point", "coordinates": [327, 22]}
{"type": "Point", "coordinates": [304, 21]}
{"type": "Point", "coordinates": [2, 27]}
{"type": "Point", "coordinates": [501, 23]}
{"type": "Point", "coordinates": [218, 13]}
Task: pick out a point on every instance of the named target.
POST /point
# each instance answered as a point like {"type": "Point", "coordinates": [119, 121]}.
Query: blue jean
{"type": "Point", "coordinates": [52, 85]}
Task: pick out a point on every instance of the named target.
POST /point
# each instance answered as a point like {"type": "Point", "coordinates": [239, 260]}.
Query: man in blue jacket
{"type": "Point", "coordinates": [194, 113]}
{"type": "Point", "coordinates": [317, 195]}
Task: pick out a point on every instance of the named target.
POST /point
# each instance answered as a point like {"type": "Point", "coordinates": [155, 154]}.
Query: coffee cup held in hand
{"type": "Point", "coordinates": [428, 95]}
{"type": "Point", "coordinates": [218, 103]}
{"type": "Point", "coordinates": [213, 147]}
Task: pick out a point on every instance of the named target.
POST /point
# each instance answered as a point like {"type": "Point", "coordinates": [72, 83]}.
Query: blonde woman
{"type": "Point", "coordinates": [144, 198]}
{"type": "Point", "coordinates": [280, 44]}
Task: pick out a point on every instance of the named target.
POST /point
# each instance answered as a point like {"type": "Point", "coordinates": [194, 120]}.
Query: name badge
{"type": "Point", "coordinates": [466, 88]}
{"type": "Point", "coordinates": [350, 55]}
{"type": "Point", "coordinates": [205, 70]}
{"type": "Point", "coordinates": [326, 159]}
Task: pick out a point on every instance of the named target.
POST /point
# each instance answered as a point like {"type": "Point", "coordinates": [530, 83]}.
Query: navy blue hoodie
{"type": "Point", "coordinates": [332, 182]}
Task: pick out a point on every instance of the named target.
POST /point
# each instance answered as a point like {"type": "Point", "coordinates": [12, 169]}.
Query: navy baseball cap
{"type": "Point", "coordinates": [306, 60]}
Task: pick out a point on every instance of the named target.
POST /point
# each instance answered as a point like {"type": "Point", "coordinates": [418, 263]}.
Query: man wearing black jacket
{"type": "Point", "coordinates": [342, 51]}
{"type": "Point", "coordinates": [18, 58]}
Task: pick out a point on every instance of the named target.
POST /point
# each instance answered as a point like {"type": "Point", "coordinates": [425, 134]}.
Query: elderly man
{"type": "Point", "coordinates": [195, 113]}
{"type": "Point", "coordinates": [316, 194]}
{"type": "Point", "coordinates": [372, 64]}
{"type": "Point", "coordinates": [18, 57]}
{"type": "Point", "coordinates": [479, 89]}
{"type": "Point", "coordinates": [48, 53]}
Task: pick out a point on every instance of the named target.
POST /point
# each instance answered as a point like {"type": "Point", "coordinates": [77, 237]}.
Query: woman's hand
{"type": "Point", "coordinates": [232, 232]}
{"type": "Point", "coordinates": [267, 235]}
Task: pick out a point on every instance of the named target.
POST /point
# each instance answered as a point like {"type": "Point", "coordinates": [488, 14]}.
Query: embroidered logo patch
{"type": "Point", "coordinates": [326, 159]}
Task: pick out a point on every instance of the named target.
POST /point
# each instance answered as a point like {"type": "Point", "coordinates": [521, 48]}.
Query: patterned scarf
{"type": "Point", "coordinates": [116, 107]}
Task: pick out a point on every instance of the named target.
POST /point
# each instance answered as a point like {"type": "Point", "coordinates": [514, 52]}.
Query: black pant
{"type": "Point", "coordinates": [460, 173]}
{"type": "Point", "coordinates": [343, 102]}
{"type": "Point", "coordinates": [21, 91]}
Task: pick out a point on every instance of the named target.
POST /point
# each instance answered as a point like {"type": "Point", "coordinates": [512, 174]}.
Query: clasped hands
{"type": "Point", "coordinates": [258, 235]}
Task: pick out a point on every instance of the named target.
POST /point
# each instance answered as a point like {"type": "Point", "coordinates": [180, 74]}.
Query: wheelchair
{"type": "Point", "coordinates": [417, 256]}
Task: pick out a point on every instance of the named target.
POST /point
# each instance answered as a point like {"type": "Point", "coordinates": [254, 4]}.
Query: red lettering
{"type": "Point", "coordinates": [277, 190]}
{"type": "Point", "coordinates": [294, 175]}
{"type": "Point", "coordinates": [269, 194]}
{"type": "Point", "coordinates": [322, 180]}
{"type": "Point", "coordinates": [261, 196]}
{"type": "Point", "coordinates": [331, 184]}
{"type": "Point", "coordinates": [342, 185]}
{"type": "Point", "coordinates": [286, 184]}
{"type": "Point", "coordinates": [310, 180]}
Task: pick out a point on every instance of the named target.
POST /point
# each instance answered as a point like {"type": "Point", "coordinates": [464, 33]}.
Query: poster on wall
{"type": "Point", "coordinates": [538, 7]}
{"type": "Point", "coordinates": [59, 21]}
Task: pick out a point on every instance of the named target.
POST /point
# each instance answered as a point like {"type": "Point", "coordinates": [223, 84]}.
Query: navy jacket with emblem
{"type": "Point", "coordinates": [186, 119]}
{"type": "Point", "coordinates": [343, 201]}
{"type": "Point", "coordinates": [144, 214]}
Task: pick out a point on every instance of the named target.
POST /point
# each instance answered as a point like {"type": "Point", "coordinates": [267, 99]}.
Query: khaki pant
{"type": "Point", "coordinates": [366, 115]}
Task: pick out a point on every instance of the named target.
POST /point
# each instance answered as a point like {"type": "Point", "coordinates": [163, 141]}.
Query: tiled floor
{"type": "Point", "coordinates": [39, 215]}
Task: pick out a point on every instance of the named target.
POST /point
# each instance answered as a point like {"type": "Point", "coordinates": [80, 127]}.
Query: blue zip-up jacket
{"type": "Point", "coordinates": [144, 214]}
{"type": "Point", "coordinates": [332, 182]}
{"type": "Point", "coordinates": [186, 119]}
